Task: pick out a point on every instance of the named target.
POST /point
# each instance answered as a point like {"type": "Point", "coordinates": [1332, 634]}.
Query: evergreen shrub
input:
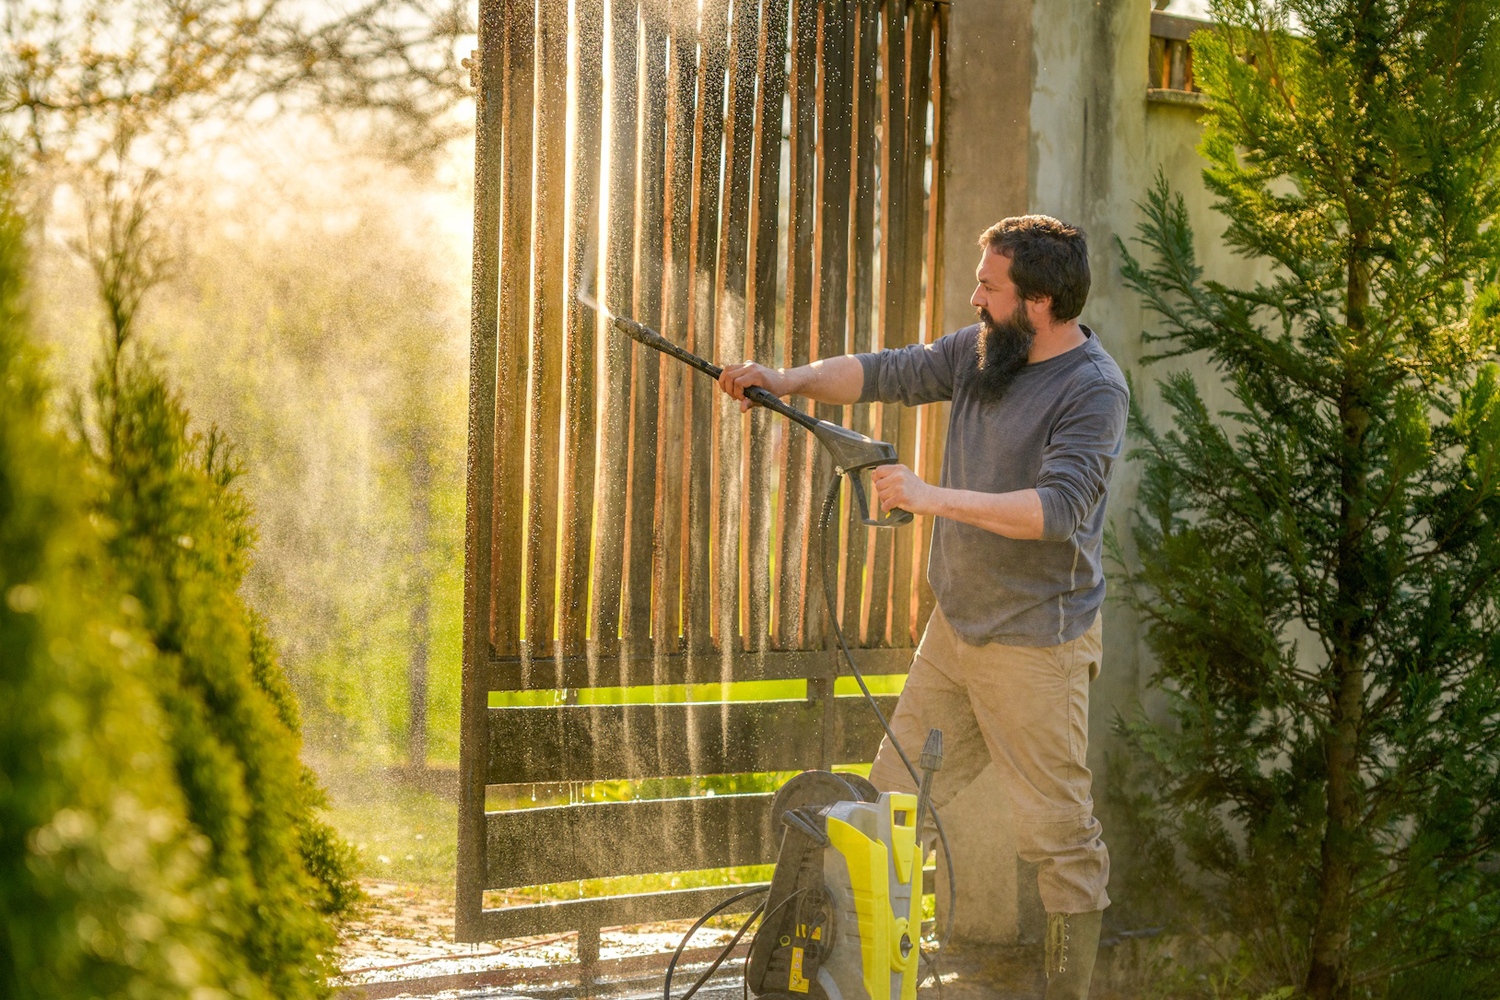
{"type": "Point", "coordinates": [102, 887]}
{"type": "Point", "coordinates": [180, 538]}
{"type": "Point", "coordinates": [1318, 567]}
{"type": "Point", "coordinates": [159, 836]}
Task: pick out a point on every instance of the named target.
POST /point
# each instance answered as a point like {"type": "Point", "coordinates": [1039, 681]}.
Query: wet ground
{"type": "Point", "coordinates": [403, 947]}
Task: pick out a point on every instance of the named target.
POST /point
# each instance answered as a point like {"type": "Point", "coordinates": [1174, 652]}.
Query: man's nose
{"type": "Point", "coordinates": [974, 300]}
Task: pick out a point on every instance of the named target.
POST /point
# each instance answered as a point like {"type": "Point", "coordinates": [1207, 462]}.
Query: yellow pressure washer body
{"type": "Point", "coordinates": [842, 916]}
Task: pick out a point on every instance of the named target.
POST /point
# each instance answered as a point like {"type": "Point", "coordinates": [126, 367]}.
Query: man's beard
{"type": "Point", "coordinates": [1001, 352]}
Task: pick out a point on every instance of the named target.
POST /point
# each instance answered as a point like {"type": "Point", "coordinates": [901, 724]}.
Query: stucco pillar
{"type": "Point", "coordinates": [985, 178]}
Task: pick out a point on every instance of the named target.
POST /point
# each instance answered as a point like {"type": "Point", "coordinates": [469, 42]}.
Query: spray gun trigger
{"type": "Point", "coordinates": [895, 517]}
{"type": "Point", "coordinates": [852, 453]}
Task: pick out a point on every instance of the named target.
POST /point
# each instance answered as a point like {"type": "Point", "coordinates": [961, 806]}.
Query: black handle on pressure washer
{"type": "Point", "coordinates": [853, 453]}
{"type": "Point", "coordinates": [894, 518]}
{"type": "Point", "coordinates": [931, 763]}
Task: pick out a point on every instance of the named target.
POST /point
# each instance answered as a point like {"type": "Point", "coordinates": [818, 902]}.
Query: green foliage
{"type": "Point", "coordinates": [1319, 569]}
{"type": "Point", "coordinates": [160, 836]}
{"type": "Point", "coordinates": [81, 76]}
{"type": "Point", "coordinates": [397, 832]}
{"type": "Point", "coordinates": [102, 893]}
{"type": "Point", "coordinates": [179, 539]}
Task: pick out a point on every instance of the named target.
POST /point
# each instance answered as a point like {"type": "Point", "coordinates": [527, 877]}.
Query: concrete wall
{"type": "Point", "coordinates": [1048, 113]}
{"type": "Point", "coordinates": [985, 179]}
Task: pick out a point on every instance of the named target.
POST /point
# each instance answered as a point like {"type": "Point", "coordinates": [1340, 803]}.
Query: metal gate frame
{"type": "Point", "coordinates": [626, 525]}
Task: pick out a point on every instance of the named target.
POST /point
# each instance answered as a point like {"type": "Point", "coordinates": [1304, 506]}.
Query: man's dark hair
{"type": "Point", "coordinates": [1047, 257]}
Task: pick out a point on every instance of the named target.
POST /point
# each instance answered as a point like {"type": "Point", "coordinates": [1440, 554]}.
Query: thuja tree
{"type": "Point", "coordinates": [102, 893]}
{"type": "Point", "coordinates": [177, 538]}
{"type": "Point", "coordinates": [158, 836]}
{"type": "Point", "coordinates": [1319, 566]}
{"type": "Point", "coordinates": [179, 542]}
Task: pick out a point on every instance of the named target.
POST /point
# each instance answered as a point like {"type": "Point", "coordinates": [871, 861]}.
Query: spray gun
{"type": "Point", "coordinates": [852, 452]}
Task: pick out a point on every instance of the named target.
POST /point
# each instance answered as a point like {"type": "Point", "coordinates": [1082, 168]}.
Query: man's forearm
{"type": "Point", "coordinates": [1014, 515]}
{"type": "Point", "coordinates": [1017, 514]}
{"type": "Point", "coordinates": [837, 380]}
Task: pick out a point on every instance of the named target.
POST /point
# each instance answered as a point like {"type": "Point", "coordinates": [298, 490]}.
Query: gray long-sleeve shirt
{"type": "Point", "coordinates": [1057, 429]}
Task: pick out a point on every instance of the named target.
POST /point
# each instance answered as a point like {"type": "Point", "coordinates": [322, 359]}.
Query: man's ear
{"type": "Point", "coordinates": [1039, 309]}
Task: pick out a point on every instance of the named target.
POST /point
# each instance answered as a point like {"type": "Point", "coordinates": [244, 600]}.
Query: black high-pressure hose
{"type": "Point", "coordinates": [825, 521]}
{"type": "Point", "coordinates": [830, 568]}
{"type": "Point", "coordinates": [666, 989]}
{"type": "Point", "coordinates": [852, 452]}
{"type": "Point", "coordinates": [719, 959]}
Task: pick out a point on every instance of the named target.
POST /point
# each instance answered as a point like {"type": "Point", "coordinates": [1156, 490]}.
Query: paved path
{"type": "Point", "coordinates": [999, 974]}
{"type": "Point", "coordinates": [968, 973]}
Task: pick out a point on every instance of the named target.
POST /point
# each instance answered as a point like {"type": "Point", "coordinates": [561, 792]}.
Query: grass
{"type": "Point", "coordinates": [398, 832]}
{"type": "Point", "coordinates": [406, 834]}
{"type": "Point", "coordinates": [621, 885]}
{"type": "Point", "coordinates": [677, 693]}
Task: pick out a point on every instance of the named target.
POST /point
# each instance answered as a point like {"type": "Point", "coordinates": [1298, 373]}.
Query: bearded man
{"type": "Point", "coordinates": [1005, 663]}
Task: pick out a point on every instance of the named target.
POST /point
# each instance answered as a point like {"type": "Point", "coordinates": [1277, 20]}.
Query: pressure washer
{"type": "Point", "coordinates": [842, 915]}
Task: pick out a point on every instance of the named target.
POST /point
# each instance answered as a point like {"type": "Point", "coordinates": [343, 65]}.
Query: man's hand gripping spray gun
{"type": "Point", "coordinates": [852, 452]}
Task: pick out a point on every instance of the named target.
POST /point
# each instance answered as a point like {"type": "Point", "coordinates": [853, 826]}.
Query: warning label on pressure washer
{"type": "Point", "coordinates": [797, 984]}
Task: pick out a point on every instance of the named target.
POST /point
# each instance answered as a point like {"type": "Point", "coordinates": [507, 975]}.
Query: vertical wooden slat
{"type": "Point", "coordinates": [580, 398]}
{"type": "Point", "coordinates": [861, 290]}
{"type": "Point", "coordinates": [513, 325]}
{"type": "Point", "coordinates": [547, 315]}
{"type": "Point", "coordinates": [893, 211]}
{"type": "Point", "coordinates": [732, 312]}
{"type": "Point", "coordinates": [478, 527]}
{"type": "Point", "coordinates": [671, 467]}
{"type": "Point", "coordinates": [1178, 73]}
{"type": "Point", "coordinates": [651, 197]}
{"type": "Point", "coordinates": [935, 415]}
{"type": "Point", "coordinates": [830, 304]}
{"type": "Point", "coordinates": [612, 486]}
{"type": "Point", "coordinates": [760, 304]}
{"type": "Point", "coordinates": [795, 500]}
{"type": "Point", "coordinates": [699, 568]}
{"type": "Point", "coordinates": [919, 40]}
{"type": "Point", "coordinates": [831, 288]}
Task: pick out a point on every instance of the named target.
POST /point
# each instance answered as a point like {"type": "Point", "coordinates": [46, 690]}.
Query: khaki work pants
{"type": "Point", "coordinates": [1026, 710]}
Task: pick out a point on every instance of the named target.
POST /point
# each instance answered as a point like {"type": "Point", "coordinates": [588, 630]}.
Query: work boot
{"type": "Point", "coordinates": [1072, 944]}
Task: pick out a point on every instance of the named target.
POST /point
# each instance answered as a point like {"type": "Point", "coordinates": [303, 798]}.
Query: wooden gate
{"type": "Point", "coordinates": [754, 178]}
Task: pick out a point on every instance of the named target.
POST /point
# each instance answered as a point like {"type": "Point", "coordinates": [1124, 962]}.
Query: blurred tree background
{"type": "Point", "coordinates": [234, 273]}
{"type": "Point", "coordinates": [277, 197]}
{"type": "Point", "coordinates": [317, 311]}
